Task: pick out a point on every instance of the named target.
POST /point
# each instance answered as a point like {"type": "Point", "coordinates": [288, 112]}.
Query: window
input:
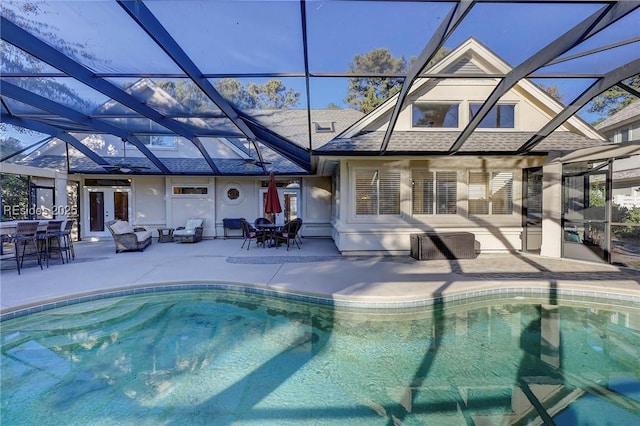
{"type": "Point", "coordinates": [624, 135]}
{"type": "Point", "coordinates": [232, 195]}
{"type": "Point", "coordinates": [499, 117]}
{"type": "Point", "coordinates": [377, 192]}
{"type": "Point", "coordinates": [158, 141]}
{"type": "Point", "coordinates": [491, 193]}
{"type": "Point", "coordinates": [435, 115]}
{"type": "Point", "coordinates": [440, 195]}
{"type": "Point", "coordinates": [324, 126]}
{"type": "Point", "coordinates": [190, 190]}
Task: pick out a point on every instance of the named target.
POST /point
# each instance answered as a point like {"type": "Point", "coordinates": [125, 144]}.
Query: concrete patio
{"type": "Point", "coordinates": [316, 269]}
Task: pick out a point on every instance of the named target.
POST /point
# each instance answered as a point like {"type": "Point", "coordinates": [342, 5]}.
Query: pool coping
{"type": "Point", "coordinates": [362, 303]}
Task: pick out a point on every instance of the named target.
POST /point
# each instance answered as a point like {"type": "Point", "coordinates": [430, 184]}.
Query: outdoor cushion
{"type": "Point", "coordinates": [192, 224]}
{"type": "Point", "coordinates": [143, 235]}
{"type": "Point", "coordinates": [184, 232]}
{"type": "Point", "coordinates": [122, 227]}
{"type": "Point", "coordinates": [191, 232]}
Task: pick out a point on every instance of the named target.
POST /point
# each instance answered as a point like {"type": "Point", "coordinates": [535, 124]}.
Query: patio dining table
{"type": "Point", "coordinates": [269, 231]}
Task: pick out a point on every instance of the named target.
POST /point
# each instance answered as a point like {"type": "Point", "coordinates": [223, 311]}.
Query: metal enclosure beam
{"type": "Point", "coordinates": [585, 29]}
{"type": "Point", "coordinates": [56, 132]}
{"type": "Point", "coordinates": [448, 25]}
{"type": "Point", "coordinates": [148, 22]}
{"type": "Point", "coordinates": [289, 150]}
{"type": "Point", "coordinates": [633, 91]}
{"type": "Point", "coordinates": [12, 91]}
{"type": "Point", "coordinates": [22, 39]}
{"type": "Point", "coordinates": [611, 79]}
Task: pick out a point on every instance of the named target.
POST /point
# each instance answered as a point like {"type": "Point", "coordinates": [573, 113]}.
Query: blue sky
{"type": "Point", "coordinates": [266, 36]}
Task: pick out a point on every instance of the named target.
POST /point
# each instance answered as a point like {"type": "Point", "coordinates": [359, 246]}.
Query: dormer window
{"type": "Point", "coordinates": [499, 117]}
{"type": "Point", "coordinates": [324, 126]}
{"type": "Point", "coordinates": [435, 115]}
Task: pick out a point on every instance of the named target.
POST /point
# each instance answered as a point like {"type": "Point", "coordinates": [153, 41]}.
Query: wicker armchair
{"type": "Point", "coordinates": [190, 233]}
{"type": "Point", "coordinates": [128, 238]}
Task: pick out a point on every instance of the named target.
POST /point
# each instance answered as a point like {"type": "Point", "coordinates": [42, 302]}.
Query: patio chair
{"type": "Point", "coordinates": [190, 233]}
{"type": "Point", "coordinates": [262, 221]}
{"type": "Point", "coordinates": [299, 233]}
{"type": "Point", "coordinates": [128, 238]}
{"type": "Point", "coordinates": [289, 233]}
{"type": "Point", "coordinates": [250, 233]}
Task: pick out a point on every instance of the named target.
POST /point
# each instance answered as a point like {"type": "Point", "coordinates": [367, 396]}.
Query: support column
{"type": "Point", "coordinates": [552, 210]}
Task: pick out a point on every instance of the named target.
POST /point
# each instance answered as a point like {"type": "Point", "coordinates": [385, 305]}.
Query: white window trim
{"type": "Point", "coordinates": [495, 129]}
{"type": "Point", "coordinates": [173, 194]}
{"type": "Point", "coordinates": [353, 189]}
{"type": "Point", "coordinates": [461, 115]}
{"type": "Point", "coordinates": [228, 200]}
{"type": "Point", "coordinates": [435, 209]}
{"type": "Point", "coordinates": [515, 176]}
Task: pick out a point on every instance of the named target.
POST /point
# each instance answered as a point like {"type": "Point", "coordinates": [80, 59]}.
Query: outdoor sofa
{"type": "Point", "coordinates": [128, 238]}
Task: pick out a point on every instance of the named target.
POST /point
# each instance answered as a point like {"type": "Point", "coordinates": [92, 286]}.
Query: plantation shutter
{"type": "Point", "coordinates": [446, 192]}
{"type": "Point", "coordinates": [478, 193]}
{"type": "Point", "coordinates": [389, 192]}
{"type": "Point", "coordinates": [366, 192]}
{"type": "Point", "coordinates": [502, 193]}
{"type": "Point", "coordinates": [422, 191]}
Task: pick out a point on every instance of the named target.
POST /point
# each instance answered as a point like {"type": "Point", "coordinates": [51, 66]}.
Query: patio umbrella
{"type": "Point", "coordinates": [272, 202]}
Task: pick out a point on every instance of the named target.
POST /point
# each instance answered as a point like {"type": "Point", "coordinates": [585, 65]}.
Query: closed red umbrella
{"type": "Point", "coordinates": [272, 202]}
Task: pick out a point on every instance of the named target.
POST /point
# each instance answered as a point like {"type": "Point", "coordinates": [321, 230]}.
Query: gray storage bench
{"type": "Point", "coordinates": [443, 245]}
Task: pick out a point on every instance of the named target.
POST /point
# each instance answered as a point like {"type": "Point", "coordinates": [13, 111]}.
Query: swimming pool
{"type": "Point", "coordinates": [225, 357]}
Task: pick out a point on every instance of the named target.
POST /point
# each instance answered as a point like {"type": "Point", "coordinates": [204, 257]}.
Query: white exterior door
{"type": "Point", "coordinates": [289, 200]}
{"type": "Point", "coordinates": [103, 204]}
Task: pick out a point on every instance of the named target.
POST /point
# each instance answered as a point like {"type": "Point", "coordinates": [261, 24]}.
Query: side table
{"type": "Point", "coordinates": [165, 235]}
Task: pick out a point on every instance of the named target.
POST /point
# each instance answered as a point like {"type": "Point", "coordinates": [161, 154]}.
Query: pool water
{"type": "Point", "coordinates": [217, 357]}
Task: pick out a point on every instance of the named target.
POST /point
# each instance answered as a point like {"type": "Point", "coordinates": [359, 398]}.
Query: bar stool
{"type": "Point", "coordinates": [51, 240]}
{"type": "Point", "coordinates": [25, 239]}
{"type": "Point", "coordinates": [67, 241]}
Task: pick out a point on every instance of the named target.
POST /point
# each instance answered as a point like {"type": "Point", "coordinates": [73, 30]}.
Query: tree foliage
{"type": "Point", "coordinates": [615, 99]}
{"type": "Point", "coordinates": [9, 145]}
{"type": "Point", "coordinates": [271, 95]}
{"type": "Point", "coordinates": [366, 93]}
{"type": "Point", "coordinates": [15, 196]}
{"type": "Point", "coordinates": [14, 60]}
{"type": "Point", "coordinates": [553, 91]}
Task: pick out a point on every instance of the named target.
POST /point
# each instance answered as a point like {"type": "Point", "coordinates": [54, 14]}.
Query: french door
{"type": "Point", "coordinates": [290, 202]}
{"type": "Point", "coordinates": [586, 213]}
{"type": "Point", "coordinates": [102, 205]}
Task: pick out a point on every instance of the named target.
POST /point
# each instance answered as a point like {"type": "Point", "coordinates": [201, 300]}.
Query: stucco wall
{"type": "Point", "coordinates": [316, 207]}
{"type": "Point", "coordinates": [149, 201]}
{"type": "Point", "coordinates": [182, 207]}
{"type": "Point", "coordinates": [389, 234]}
{"type": "Point", "coordinates": [246, 205]}
{"type": "Point", "coordinates": [530, 113]}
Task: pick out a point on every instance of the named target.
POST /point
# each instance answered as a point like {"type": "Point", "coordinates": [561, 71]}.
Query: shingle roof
{"type": "Point", "coordinates": [439, 142]}
{"type": "Point", "coordinates": [630, 111]}
{"type": "Point", "coordinates": [293, 123]}
{"type": "Point", "coordinates": [186, 166]}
